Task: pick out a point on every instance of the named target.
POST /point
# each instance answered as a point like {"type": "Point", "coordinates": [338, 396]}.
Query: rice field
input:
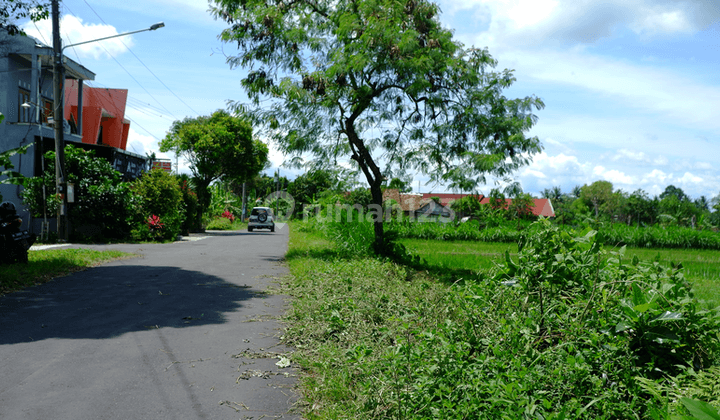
{"type": "Point", "coordinates": [460, 258]}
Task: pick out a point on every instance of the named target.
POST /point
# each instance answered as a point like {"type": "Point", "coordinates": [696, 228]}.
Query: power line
{"type": "Point", "coordinates": [129, 74]}
{"type": "Point", "coordinates": [146, 67]}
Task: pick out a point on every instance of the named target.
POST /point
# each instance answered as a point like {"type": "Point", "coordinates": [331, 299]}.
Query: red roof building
{"type": "Point", "coordinates": [103, 114]}
{"type": "Point", "coordinates": [543, 206]}
{"type": "Point", "coordinates": [413, 202]}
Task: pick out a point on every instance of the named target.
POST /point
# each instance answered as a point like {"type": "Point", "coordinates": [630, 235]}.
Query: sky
{"type": "Point", "coordinates": [631, 87]}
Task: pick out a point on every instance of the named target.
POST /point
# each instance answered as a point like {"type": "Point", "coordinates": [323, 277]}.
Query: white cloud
{"type": "Point", "coordinates": [656, 176]}
{"type": "Point", "coordinates": [569, 22]}
{"type": "Point", "coordinates": [142, 144]}
{"type": "Point", "coordinates": [689, 178]}
{"type": "Point", "coordinates": [629, 154]}
{"type": "Point", "coordinates": [73, 31]}
{"type": "Point", "coordinates": [639, 86]}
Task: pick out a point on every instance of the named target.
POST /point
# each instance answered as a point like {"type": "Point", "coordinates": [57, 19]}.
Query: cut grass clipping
{"type": "Point", "coordinates": [45, 265]}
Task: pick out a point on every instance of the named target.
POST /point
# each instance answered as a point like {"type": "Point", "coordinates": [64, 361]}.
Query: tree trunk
{"type": "Point", "coordinates": [379, 245]}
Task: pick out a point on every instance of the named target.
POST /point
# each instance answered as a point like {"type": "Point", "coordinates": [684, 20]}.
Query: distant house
{"type": "Point", "coordinates": [543, 206]}
{"type": "Point", "coordinates": [418, 205]}
{"type": "Point", "coordinates": [414, 205]}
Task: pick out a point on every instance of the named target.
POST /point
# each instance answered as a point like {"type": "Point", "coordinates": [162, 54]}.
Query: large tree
{"type": "Point", "coordinates": [381, 82]}
{"type": "Point", "coordinates": [217, 146]}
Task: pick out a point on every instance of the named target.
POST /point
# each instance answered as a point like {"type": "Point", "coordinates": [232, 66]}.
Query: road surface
{"type": "Point", "coordinates": [185, 331]}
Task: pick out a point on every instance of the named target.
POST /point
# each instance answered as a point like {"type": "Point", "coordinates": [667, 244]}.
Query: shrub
{"type": "Point", "coordinates": [157, 193]}
{"type": "Point", "coordinates": [190, 206]}
{"type": "Point", "coordinates": [220, 223]}
{"type": "Point", "coordinates": [102, 208]}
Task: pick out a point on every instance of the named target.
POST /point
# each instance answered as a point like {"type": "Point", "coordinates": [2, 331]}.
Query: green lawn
{"type": "Point", "coordinates": [701, 267]}
{"type": "Point", "coordinates": [45, 265]}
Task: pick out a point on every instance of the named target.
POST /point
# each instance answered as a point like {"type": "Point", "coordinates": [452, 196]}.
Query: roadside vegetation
{"type": "Point", "coordinates": [557, 326]}
{"type": "Point", "coordinates": [45, 265]}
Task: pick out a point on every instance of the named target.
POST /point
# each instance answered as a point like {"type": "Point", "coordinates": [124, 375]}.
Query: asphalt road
{"type": "Point", "coordinates": [186, 331]}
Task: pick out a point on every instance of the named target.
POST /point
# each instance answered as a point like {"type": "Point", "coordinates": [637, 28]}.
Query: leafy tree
{"type": "Point", "coordinates": [307, 186]}
{"type": "Point", "coordinates": [467, 206]}
{"type": "Point", "coordinates": [555, 194]}
{"type": "Point", "coordinates": [675, 210]}
{"type": "Point", "coordinates": [672, 190]}
{"type": "Point", "coordinates": [521, 206]}
{"type": "Point", "coordinates": [190, 205]}
{"type": "Point", "coordinates": [158, 193]}
{"type": "Point", "coordinates": [404, 186]}
{"type": "Point", "coordinates": [217, 146]}
{"type": "Point", "coordinates": [641, 208]}
{"type": "Point", "coordinates": [13, 10]}
{"type": "Point", "coordinates": [334, 69]}
{"type": "Point", "coordinates": [260, 186]}
{"type": "Point", "coordinates": [596, 194]}
{"type": "Point", "coordinates": [702, 203]}
{"type": "Point", "coordinates": [615, 207]}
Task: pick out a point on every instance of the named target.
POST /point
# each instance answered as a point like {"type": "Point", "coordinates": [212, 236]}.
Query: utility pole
{"type": "Point", "coordinates": [58, 121]}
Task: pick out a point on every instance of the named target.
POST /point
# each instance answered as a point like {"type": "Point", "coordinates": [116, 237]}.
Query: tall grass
{"type": "Point", "coordinates": [379, 340]}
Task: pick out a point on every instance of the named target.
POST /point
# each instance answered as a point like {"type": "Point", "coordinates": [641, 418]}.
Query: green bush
{"type": "Point", "coordinates": [103, 203]}
{"type": "Point", "coordinates": [565, 330]}
{"type": "Point", "coordinates": [157, 193]}
{"type": "Point", "coordinates": [190, 205]}
{"type": "Point", "coordinates": [220, 223]}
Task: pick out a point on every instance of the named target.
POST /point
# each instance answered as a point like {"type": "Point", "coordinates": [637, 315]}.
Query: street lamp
{"type": "Point", "coordinates": [151, 28]}
{"type": "Point", "coordinates": [58, 111]}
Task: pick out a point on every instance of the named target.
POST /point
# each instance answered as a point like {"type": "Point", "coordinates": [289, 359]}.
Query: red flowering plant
{"type": "Point", "coordinates": [228, 216]}
{"type": "Point", "coordinates": [156, 226]}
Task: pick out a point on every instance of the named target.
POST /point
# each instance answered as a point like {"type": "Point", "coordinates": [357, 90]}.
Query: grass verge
{"type": "Point", "coordinates": [45, 265]}
{"type": "Point", "coordinates": [377, 340]}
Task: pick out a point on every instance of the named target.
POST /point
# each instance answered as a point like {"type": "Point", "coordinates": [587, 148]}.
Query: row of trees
{"type": "Point", "coordinates": [601, 201]}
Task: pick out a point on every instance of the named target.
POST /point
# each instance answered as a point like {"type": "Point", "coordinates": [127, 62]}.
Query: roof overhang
{"type": "Point", "coordinates": [73, 70]}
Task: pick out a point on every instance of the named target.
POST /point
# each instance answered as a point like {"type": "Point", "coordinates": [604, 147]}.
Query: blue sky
{"type": "Point", "coordinates": [631, 88]}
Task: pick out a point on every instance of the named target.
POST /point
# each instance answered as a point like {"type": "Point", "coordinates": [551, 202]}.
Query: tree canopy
{"type": "Point", "coordinates": [380, 82]}
{"type": "Point", "coordinates": [12, 10]}
{"type": "Point", "coordinates": [217, 146]}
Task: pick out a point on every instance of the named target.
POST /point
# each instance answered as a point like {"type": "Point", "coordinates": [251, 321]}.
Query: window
{"type": "Point", "coordinates": [24, 113]}
{"type": "Point", "coordinates": [47, 111]}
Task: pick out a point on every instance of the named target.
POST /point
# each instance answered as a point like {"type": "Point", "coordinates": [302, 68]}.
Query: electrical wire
{"type": "Point", "coordinates": [126, 70]}
{"type": "Point", "coordinates": [146, 67]}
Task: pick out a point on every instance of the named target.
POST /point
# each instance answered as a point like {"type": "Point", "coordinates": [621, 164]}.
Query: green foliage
{"type": "Point", "coordinates": [333, 69]}
{"type": "Point", "coordinates": [13, 10]}
{"type": "Point", "coordinates": [222, 199]}
{"type": "Point", "coordinates": [44, 265]}
{"type": "Point", "coordinates": [306, 187]}
{"type": "Point", "coordinates": [157, 193]}
{"type": "Point", "coordinates": [596, 194]}
{"type": "Point", "coordinates": [11, 177]}
{"type": "Point", "coordinates": [217, 146]}
{"type": "Point", "coordinates": [190, 205]}
{"type": "Point", "coordinates": [466, 206]}
{"type": "Point", "coordinates": [103, 203]}
{"type": "Point", "coordinates": [359, 196]}
{"type": "Point", "coordinates": [566, 330]}
{"type": "Point", "coordinates": [404, 186]}
{"type": "Point", "coordinates": [220, 223]}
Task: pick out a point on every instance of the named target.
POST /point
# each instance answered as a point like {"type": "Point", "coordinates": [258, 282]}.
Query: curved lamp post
{"type": "Point", "coordinates": [58, 111]}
